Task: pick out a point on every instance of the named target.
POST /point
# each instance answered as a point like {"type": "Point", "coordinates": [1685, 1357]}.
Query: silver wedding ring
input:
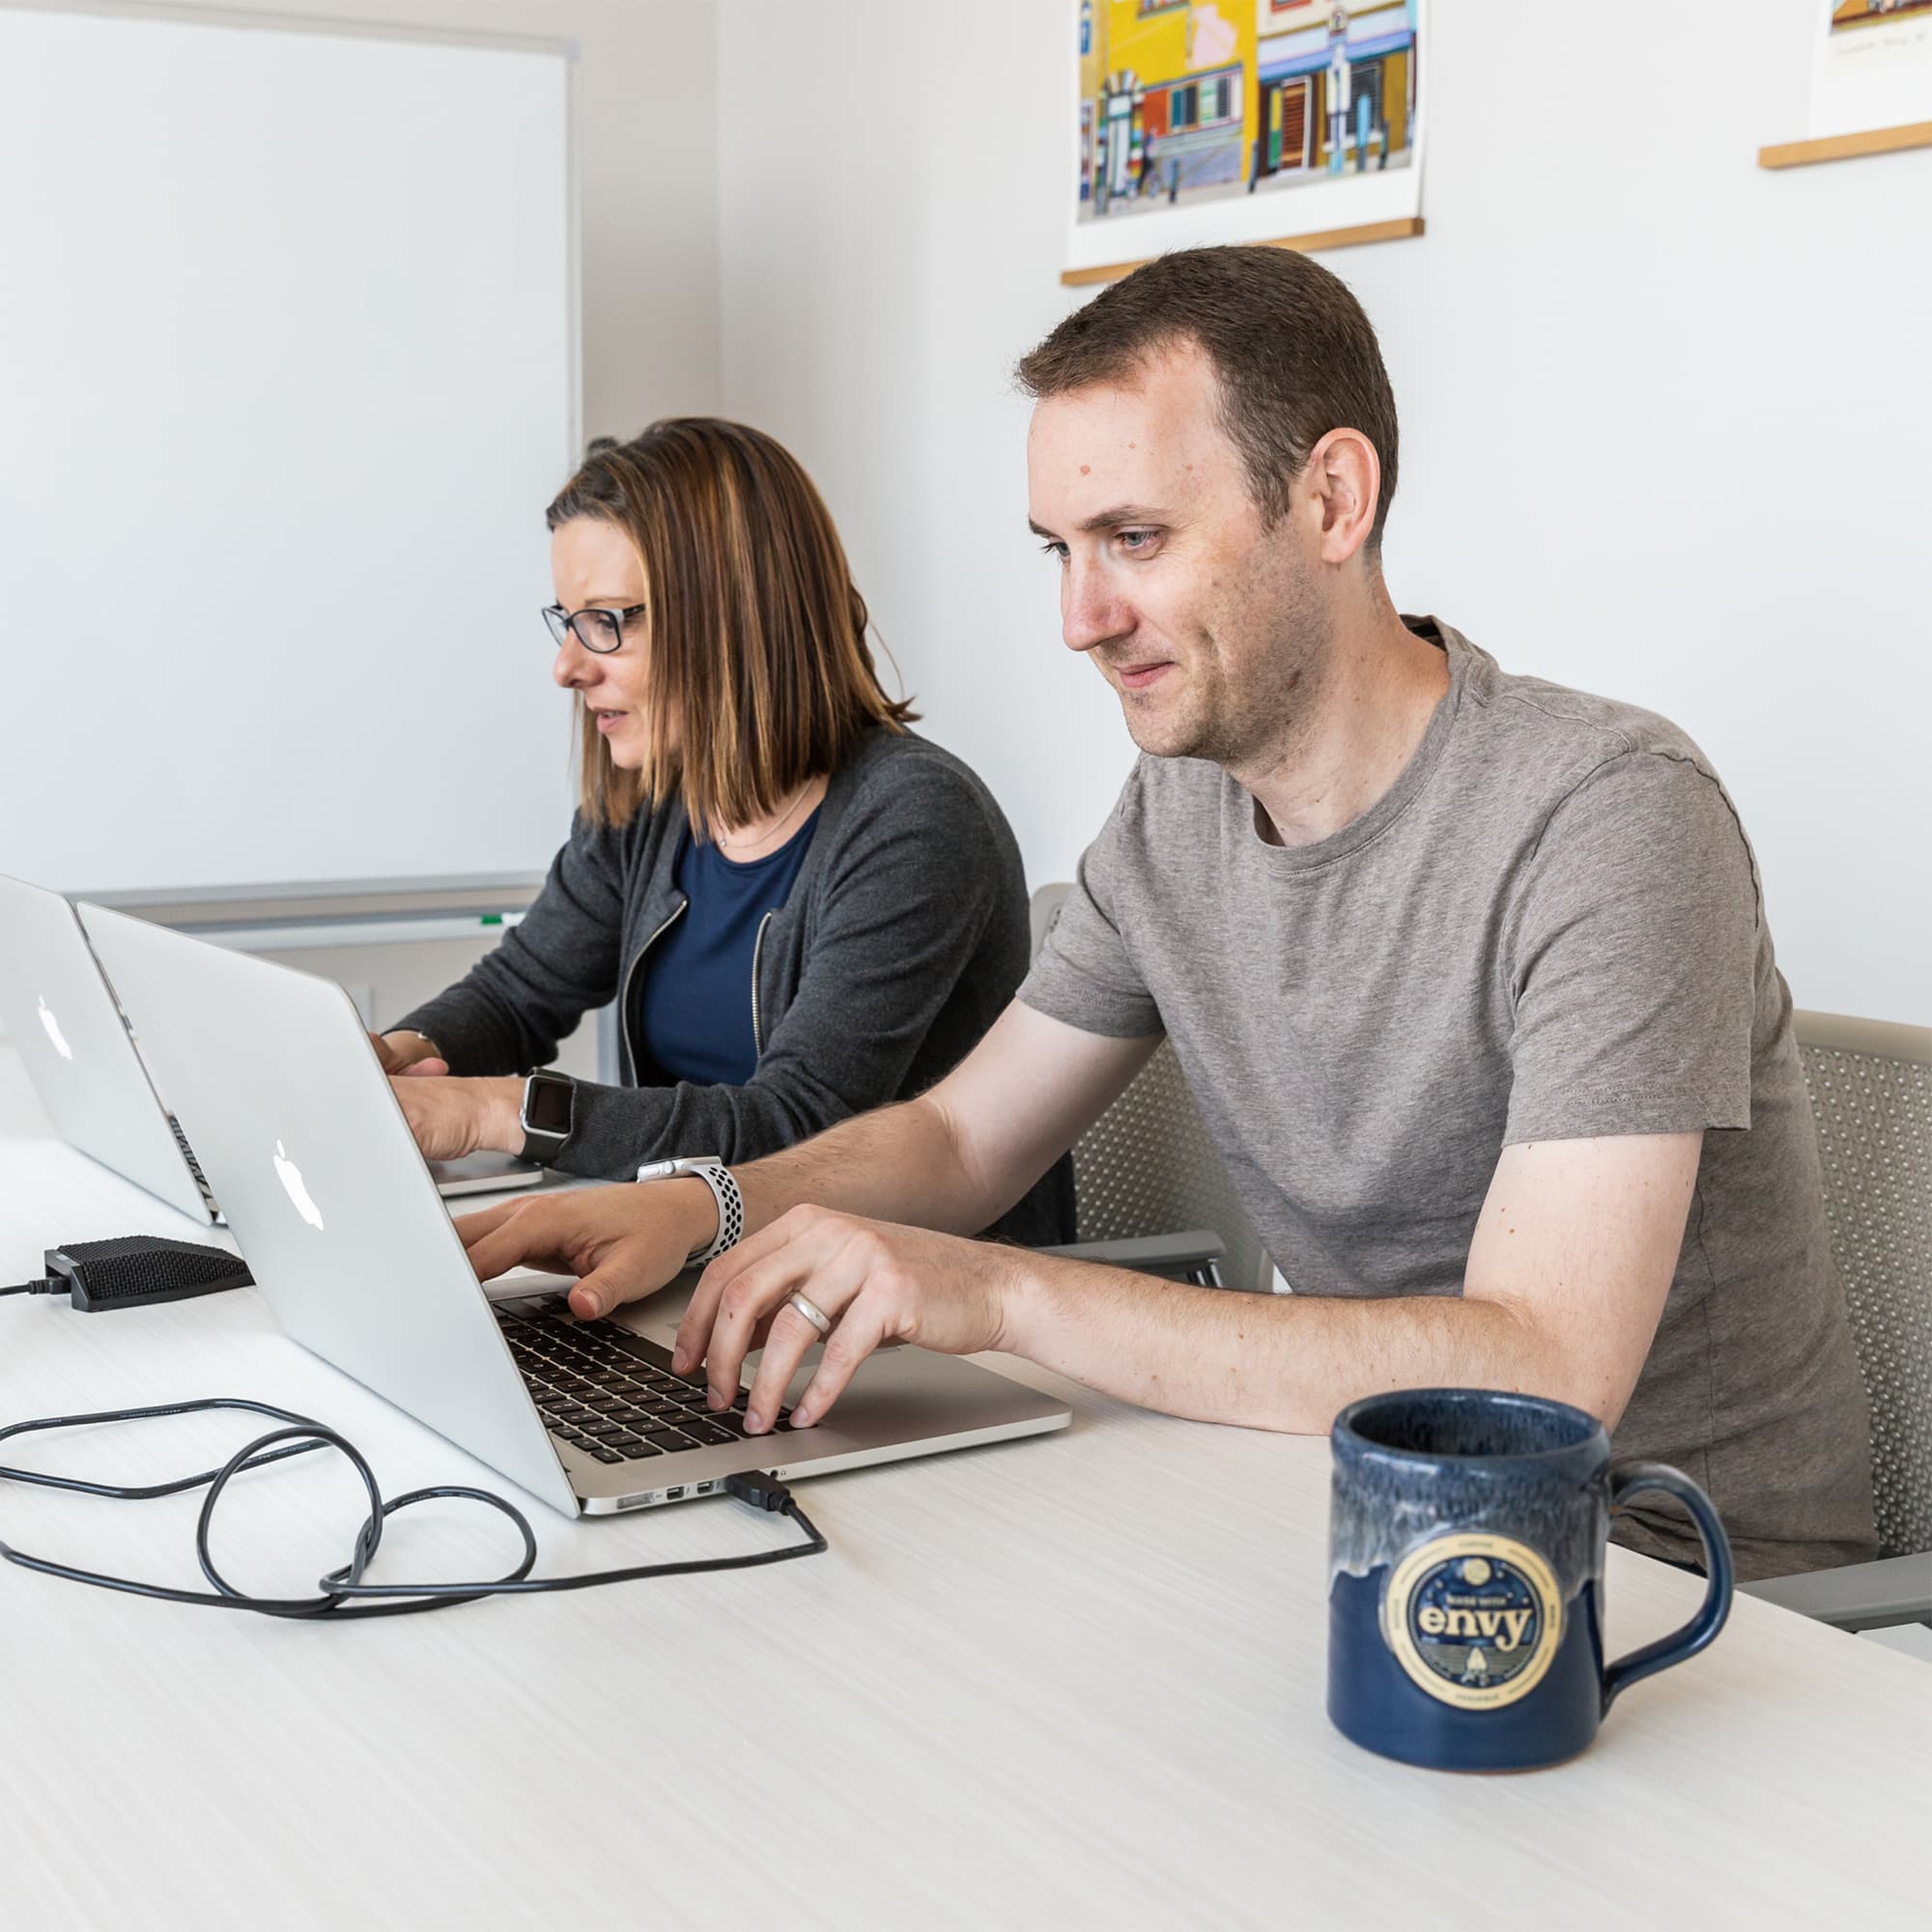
{"type": "Point", "coordinates": [811, 1312]}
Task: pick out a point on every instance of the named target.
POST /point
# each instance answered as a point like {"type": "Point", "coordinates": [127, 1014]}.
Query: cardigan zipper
{"type": "Point", "coordinates": [757, 947]}
{"type": "Point", "coordinates": [624, 1002]}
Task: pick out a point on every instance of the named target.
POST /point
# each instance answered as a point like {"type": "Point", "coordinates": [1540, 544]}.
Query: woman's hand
{"type": "Point", "coordinates": [407, 1053]}
{"type": "Point", "coordinates": [452, 1118]}
{"type": "Point", "coordinates": [625, 1243]}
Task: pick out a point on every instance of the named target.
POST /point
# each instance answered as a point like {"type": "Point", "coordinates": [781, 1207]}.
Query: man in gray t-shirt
{"type": "Point", "coordinates": [1549, 929]}
{"type": "Point", "coordinates": [1469, 975]}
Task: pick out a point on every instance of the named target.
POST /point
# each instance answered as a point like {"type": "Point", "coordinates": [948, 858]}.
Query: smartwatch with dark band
{"type": "Point", "coordinates": [546, 1115]}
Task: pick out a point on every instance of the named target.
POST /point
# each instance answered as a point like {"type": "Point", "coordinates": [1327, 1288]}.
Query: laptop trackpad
{"type": "Point", "coordinates": [484, 1172]}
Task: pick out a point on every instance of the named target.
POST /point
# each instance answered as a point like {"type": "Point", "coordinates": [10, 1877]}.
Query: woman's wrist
{"type": "Point", "coordinates": [501, 1104]}
{"type": "Point", "coordinates": [695, 1208]}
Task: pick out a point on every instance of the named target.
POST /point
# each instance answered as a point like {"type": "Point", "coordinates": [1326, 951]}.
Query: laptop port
{"type": "Point", "coordinates": [672, 1495]}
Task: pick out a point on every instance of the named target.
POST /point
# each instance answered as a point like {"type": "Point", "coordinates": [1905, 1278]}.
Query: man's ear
{"type": "Point", "coordinates": [1343, 479]}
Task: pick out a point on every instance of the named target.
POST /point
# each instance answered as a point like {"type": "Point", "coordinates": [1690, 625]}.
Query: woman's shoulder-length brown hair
{"type": "Point", "coordinates": [760, 676]}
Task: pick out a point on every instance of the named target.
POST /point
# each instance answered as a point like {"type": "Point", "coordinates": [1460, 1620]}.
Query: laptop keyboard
{"type": "Point", "coordinates": [611, 1393]}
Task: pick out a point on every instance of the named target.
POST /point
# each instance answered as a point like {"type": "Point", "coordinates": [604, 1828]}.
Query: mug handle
{"type": "Point", "coordinates": [1716, 1603]}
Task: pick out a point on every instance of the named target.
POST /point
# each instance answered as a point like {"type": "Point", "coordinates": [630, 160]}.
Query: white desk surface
{"type": "Point", "coordinates": [1074, 1681]}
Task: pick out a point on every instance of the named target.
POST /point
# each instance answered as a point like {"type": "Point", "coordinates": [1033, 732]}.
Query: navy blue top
{"type": "Point", "coordinates": [694, 1015]}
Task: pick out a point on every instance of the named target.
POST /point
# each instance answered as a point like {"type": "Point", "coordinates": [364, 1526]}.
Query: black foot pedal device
{"type": "Point", "coordinates": [134, 1270]}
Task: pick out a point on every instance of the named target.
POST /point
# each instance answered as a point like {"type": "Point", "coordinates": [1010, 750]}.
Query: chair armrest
{"type": "Point", "coordinates": [1908, 1639]}
{"type": "Point", "coordinates": [1861, 1596]}
{"type": "Point", "coordinates": [1191, 1256]}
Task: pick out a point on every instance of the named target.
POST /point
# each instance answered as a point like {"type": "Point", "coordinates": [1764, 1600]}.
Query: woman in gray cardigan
{"type": "Point", "coordinates": [803, 909]}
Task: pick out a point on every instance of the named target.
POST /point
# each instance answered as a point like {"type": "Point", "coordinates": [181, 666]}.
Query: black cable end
{"type": "Point", "coordinates": [760, 1491]}
{"type": "Point", "coordinates": [45, 1286]}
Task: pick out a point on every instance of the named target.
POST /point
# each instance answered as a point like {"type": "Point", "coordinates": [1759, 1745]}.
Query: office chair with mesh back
{"type": "Point", "coordinates": [1151, 1192]}
{"type": "Point", "coordinates": [1871, 1096]}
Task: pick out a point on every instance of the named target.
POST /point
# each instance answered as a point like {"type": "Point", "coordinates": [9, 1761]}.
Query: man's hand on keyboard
{"type": "Point", "coordinates": [625, 1243]}
{"type": "Point", "coordinates": [876, 1281]}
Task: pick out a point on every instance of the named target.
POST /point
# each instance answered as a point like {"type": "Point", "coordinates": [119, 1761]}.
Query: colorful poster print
{"type": "Point", "coordinates": [1241, 120]}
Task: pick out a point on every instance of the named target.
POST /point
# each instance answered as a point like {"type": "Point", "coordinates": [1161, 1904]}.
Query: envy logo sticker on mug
{"type": "Point", "coordinates": [1474, 1620]}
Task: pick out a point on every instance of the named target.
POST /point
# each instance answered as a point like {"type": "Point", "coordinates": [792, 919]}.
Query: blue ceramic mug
{"type": "Point", "coordinates": [1465, 1578]}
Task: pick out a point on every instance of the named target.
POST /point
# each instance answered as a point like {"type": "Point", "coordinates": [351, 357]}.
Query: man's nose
{"type": "Point", "coordinates": [1091, 609]}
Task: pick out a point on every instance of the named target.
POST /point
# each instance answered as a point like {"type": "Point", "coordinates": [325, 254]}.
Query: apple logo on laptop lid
{"type": "Point", "coordinates": [290, 1175]}
{"type": "Point", "coordinates": [54, 1033]}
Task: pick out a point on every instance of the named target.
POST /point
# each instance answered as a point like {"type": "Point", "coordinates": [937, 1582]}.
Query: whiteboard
{"type": "Point", "coordinates": [288, 372]}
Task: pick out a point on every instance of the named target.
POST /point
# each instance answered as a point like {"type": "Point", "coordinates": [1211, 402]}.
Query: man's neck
{"type": "Point", "coordinates": [1380, 686]}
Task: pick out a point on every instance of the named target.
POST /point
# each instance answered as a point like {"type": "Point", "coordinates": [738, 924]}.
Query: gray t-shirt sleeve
{"type": "Point", "coordinates": [1085, 976]}
{"type": "Point", "coordinates": [1632, 959]}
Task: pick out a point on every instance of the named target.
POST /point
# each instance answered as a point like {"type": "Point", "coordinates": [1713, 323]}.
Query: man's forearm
{"type": "Point", "coordinates": [899, 1163]}
{"type": "Point", "coordinates": [1281, 1362]}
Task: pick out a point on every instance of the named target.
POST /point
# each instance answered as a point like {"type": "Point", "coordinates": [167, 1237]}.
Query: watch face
{"type": "Point", "coordinates": [547, 1102]}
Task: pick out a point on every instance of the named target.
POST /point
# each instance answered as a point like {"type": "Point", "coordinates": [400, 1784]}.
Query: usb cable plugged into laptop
{"type": "Point", "coordinates": [762, 1491]}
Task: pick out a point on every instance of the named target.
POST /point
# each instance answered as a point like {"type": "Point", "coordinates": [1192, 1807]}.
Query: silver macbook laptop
{"type": "Point", "coordinates": [87, 1067]}
{"type": "Point", "coordinates": [356, 1258]}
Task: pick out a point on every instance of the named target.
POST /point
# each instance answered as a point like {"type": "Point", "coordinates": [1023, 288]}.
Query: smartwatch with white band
{"type": "Point", "coordinates": [716, 1176]}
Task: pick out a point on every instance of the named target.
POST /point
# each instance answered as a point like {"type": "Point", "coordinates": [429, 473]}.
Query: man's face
{"type": "Point", "coordinates": [1204, 619]}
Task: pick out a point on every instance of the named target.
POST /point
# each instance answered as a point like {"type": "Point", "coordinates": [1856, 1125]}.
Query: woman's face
{"type": "Point", "coordinates": [593, 566]}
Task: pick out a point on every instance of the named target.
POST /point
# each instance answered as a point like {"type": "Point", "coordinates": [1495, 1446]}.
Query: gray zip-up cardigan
{"type": "Point", "coordinates": [904, 937]}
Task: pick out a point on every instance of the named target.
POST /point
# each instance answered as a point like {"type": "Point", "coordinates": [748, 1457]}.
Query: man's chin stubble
{"type": "Point", "coordinates": [1179, 740]}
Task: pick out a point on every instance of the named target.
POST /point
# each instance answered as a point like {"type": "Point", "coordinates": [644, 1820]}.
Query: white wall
{"type": "Point", "coordinates": [1665, 416]}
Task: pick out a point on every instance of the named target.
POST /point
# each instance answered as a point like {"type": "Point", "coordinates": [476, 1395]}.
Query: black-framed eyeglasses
{"type": "Point", "coordinates": [599, 631]}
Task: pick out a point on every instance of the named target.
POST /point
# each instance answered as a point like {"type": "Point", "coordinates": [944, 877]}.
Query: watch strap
{"type": "Point", "coordinates": [723, 1188]}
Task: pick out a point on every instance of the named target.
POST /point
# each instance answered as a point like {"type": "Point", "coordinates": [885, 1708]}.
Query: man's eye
{"type": "Point", "coordinates": [1058, 550]}
{"type": "Point", "coordinates": [1134, 542]}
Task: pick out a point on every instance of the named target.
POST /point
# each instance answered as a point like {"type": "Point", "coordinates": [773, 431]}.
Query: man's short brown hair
{"type": "Point", "coordinates": [760, 675]}
{"type": "Point", "coordinates": [1293, 352]}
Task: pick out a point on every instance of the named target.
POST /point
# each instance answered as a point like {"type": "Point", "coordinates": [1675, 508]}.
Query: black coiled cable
{"type": "Point", "coordinates": [340, 1594]}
